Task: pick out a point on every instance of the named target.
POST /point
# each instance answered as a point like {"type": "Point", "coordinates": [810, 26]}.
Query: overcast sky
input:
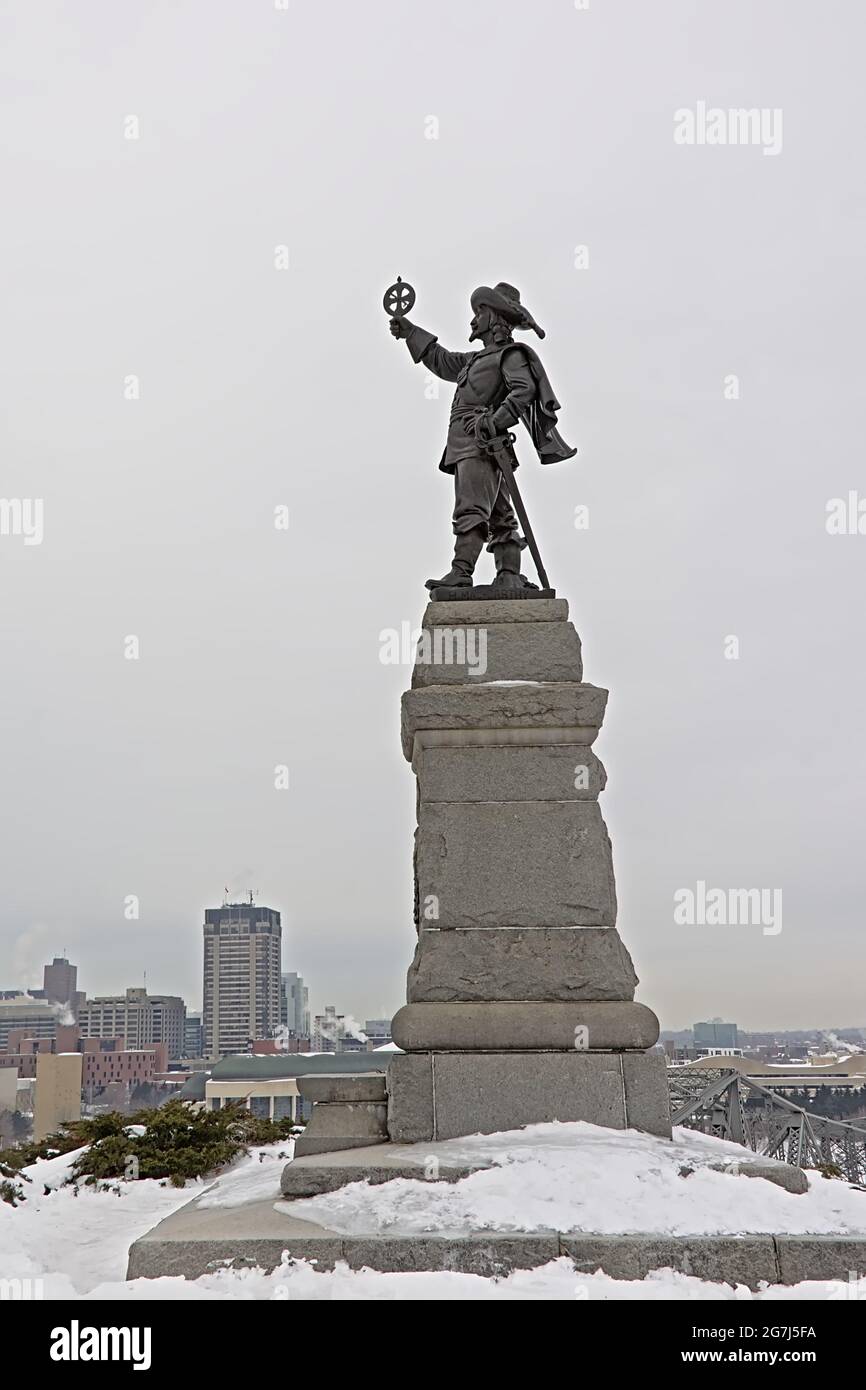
{"type": "Point", "coordinates": [258, 386]}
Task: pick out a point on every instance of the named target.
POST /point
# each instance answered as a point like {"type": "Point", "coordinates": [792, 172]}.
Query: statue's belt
{"type": "Point", "coordinates": [472, 412]}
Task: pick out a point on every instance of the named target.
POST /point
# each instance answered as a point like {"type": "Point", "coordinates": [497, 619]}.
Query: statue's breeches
{"type": "Point", "coordinates": [480, 499]}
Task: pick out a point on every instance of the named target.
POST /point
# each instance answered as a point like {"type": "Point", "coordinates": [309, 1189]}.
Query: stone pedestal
{"type": "Point", "coordinates": [349, 1112]}
{"type": "Point", "coordinates": [520, 1000]}
{"type": "Point", "coordinates": [443, 1095]}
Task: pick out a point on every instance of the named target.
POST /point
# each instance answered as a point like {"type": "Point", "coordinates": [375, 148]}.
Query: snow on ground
{"type": "Point", "coordinates": [580, 1177]}
{"type": "Point", "coordinates": [298, 1281]}
{"type": "Point", "coordinates": [553, 1176]}
{"type": "Point", "coordinates": [251, 1178]}
{"type": "Point", "coordinates": [76, 1239]}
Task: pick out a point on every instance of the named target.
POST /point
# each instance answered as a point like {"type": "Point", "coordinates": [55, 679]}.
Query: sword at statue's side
{"type": "Point", "coordinates": [499, 447]}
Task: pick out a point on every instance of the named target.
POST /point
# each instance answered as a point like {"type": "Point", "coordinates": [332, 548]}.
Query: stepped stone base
{"type": "Point", "coordinates": [197, 1240]}
{"type": "Point", "coordinates": [488, 593]}
{"type": "Point", "coordinates": [454, 653]}
{"type": "Point", "coordinates": [512, 772]}
{"type": "Point", "coordinates": [540, 963]}
{"type": "Point", "coordinates": [349, 1112]}
{"type": "Point", "coordinates": [520, 1001]}
{"type": "Point", "coordinates": [568, 711]}
{"type": "Point", "coordinates": [343, 1126]}
{"type": "Point", "coordinates": [525, 1027]}
{"type": "Point", "coordinates": [308, 1177]}
{"type": "Point", "coordinates": [445, 1095]}
{"type": "Point", "coordinates": [543, 863]}
{"type": "Point", "coordinates": [444, 613]}
{"type": "Point", "coordinates": [343, 1086]}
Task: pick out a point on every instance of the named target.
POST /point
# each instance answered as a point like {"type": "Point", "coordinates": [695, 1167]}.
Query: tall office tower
{"type": "Point", "coordinates": [59, 981]}
{"type": "Point", "coordinates": [295, 1005]}
{"type": "Point", "coordinates": [242, 946]}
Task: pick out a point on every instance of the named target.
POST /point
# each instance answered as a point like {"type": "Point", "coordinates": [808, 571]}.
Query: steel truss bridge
{"type": "Point", "coordinates": [732, 1106]}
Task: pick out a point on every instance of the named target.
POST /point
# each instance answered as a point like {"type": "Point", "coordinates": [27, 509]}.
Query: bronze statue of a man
{"type": "Point", "coordinates": [498, 385]}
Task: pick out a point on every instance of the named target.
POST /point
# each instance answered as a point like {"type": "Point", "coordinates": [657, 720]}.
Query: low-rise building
{"type": "Point", "coordinates": [35, 1017]}
{"type": "Point", "coordinates": [8, 1089]}
{"type": "Point", "coordinates": [104, 1061]}
{"type": "Point", "coordinates": [58, 1092]}
{"type": "Point", "coordinates": [141, 1018]}
{"type": "Point", "coordinates": [268, 1085]}
{"type": "Point", "coordinates": [714, 1033]}
{"type": "Point", "coordinates": [332, 1033]}
{"type": "Point", "coordinates": [843, 1073]}
{"type": "Point", "coordinates": [378, 1031]}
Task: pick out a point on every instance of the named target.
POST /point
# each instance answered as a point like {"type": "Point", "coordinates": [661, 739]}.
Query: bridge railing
{"type": "Point", "coordinates": [723, 1102]}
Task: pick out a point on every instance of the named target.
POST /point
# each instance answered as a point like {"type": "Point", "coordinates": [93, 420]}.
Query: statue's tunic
{"type": "Point", "coordinates": [497, 378]}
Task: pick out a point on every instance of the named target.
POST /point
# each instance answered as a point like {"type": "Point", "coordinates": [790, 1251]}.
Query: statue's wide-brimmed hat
{"type": "Point", "coordinates": [505, 299]}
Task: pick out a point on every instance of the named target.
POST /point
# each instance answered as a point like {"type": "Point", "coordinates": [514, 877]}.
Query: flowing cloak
{"type": "Point", "coordinates": [540, 416]}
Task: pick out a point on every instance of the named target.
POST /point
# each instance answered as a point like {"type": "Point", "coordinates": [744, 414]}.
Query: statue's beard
{"type": "Point", "coordinates": [497, 329]}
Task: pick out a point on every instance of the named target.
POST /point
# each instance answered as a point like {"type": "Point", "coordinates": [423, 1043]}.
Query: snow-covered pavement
{"type": "Point", "coordinates": [568, 1177]}
{"type": "Point", "coordinates": [580, 1177]}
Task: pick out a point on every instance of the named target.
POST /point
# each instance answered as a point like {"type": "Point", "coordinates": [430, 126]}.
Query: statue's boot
{"type": "Point", "coordinates": [467, 548]}
{"type": "Point", "coordinates": [508, 576]}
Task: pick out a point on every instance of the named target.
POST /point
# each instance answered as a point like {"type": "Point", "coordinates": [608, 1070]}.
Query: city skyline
{"type": "Point", "coordinates": [195, 1008]}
